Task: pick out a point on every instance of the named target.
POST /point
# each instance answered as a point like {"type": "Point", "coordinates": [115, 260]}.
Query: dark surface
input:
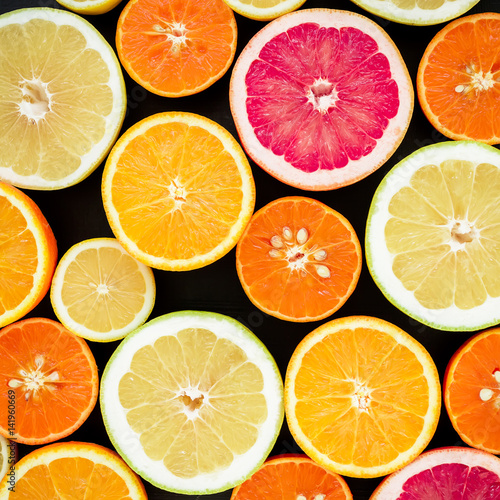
{"type": "Point", "coordinates": [76, 213]}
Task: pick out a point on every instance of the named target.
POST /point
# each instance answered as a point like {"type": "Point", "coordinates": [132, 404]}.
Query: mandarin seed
{"type": "Point", "coordinates": [14, 383]}
{"type": "Point", "coordinates": [301, 497]}
{"type": "Point", "coordinates": [496, 374]}
{"type": "Point", "coordinates": [302, 236]}
{"type": "Point", "coordinates": [485, 394]}
{"type": "Point", "coordinates": [287, 233]}
{"type": "Point", "coordinates": [320, 255]}
{"type": "Point", "coordinates": [275, 254]}
{"type": "Point", "coordinates": [459, 88]}
{"type": "Point", "coordinates": [323, 271]}
{"type": "Point", "coordinates": [277, 242]}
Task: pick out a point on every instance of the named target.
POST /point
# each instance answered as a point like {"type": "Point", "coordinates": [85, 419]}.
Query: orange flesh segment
{"type": "Point", "coordinates": [176, 46]}
{"type": "Point", "coordinates": [299, 293]}
{"type": "Point", "coordinates": [150, 168]}
{"type": "Point", "coordinates": [461, 79]}
{"type": "Point", "coordinates": [361, 397]}
{"type": "Point", "coordinates": [62, 403]}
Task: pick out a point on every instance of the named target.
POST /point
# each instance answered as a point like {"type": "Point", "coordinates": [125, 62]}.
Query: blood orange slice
{"type": "Point", "coordinates": [455, 473]}
{"type": "Point", "coordinates": [293, 477]}
{"type": "Point", "coordinates": [472, 391]}
{"type": "Point", "coordinates": [321, 98]}
{"type": "Point", "coordinates": [298, 259]}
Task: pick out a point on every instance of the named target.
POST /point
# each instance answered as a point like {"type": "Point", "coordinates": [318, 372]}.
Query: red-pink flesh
{"type": "Point", "coordinates": [309, 60]}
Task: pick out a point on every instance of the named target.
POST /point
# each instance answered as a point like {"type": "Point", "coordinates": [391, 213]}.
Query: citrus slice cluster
{"type": "Point", "coordinates": [192, 401]}
{"type": "Point", "coordinates": [432, 235]}
{"type": "Point", "coordinates": [57, 123]}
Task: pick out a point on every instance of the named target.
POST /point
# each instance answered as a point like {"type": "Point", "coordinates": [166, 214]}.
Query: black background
{"type": "Point", "coordinates": [77, 213]}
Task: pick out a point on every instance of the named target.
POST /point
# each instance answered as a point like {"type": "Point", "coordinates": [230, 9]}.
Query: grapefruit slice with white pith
{"type": "Point", "coordinates": [321, 98]}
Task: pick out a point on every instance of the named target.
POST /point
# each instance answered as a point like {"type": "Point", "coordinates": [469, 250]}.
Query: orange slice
{"type": "Point", "coordinates": [472, 391]}
{"type": "Point", "coordinates": [458, 80]}
{"type": "Point", "coordinates": [28, 254]}
{"type": "Point", "coordinates": [73, 470]}
{"type": "Point", "coordinates": [362, 397]}
{"type": "Point", "coordinates": [298, 259]}
{"type": "Point", "coordinates": [178, 191]}
{"type": "Point", "coordinates": [292, 477]}
{"type": "Point", "coordinates": [49, 381]}
{"type": "Point", "coordinates": [175, 48]}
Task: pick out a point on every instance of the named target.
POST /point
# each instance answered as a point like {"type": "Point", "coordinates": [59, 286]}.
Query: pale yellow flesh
{"type": "Point", "coordinates": [103, 289]}
{"type": "Point", "coordinates": [444, 234]}
{"type": "Point", "coordinates": [195, 400]}
{"type": "Point", "coordinates": [422, 4]}
{"type": "Point", "coordinates": [51, 110]}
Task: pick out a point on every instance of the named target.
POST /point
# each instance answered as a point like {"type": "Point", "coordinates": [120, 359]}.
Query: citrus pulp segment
{"type": "Point", "coordinates": [28, 254]}
{"type": "Point", "coordinates": [362, 397]}
{"type": "Point", "coordinates": [433, 233]}
{"type": "Point", "coordinates": [320, 98]}
{"type": "Point", "coordinates": [57, 122]}
{"type": "Point", "coordinates": [8, 455]}
{"type": "Point", "coordinates": [417, 12]}
{"type": "Point", "coordinates": [73, 470]}
{"type": "Point", "coordinates": [472, 391]}
{"type": "Point", "coordinates": [293, 477]}
{"type": "Point", "coordinates": [193, 401]}
{"type": "Point", "coordinates": [453, 472]}
{"type": "Point", "coordinates": [100, 292]}
{"type": "Point", "coordinates": [458, 79]}
{"type": "Point", "coordinates": [51, 374]}
{"type": "Point", "coordinates": [175, 48]}
{"type": "Point", "coordinates": [178, 191]}
{"type": "Point", "coordinates": [264, 10]}
{"type": "Point", "coordinates": [298, 259]}
{"type": "Point", "coordinates": [89, 7]}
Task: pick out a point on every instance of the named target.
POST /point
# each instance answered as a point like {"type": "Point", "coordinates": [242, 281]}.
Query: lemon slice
{"type": "Point", "coordinates": [100, 292]}
{"type": "Point", "coordinates": [264, 10]}
{"type": "Point", "coordinates": [193, 402]}
{"type": "Point", "coordinates": [63, 98]}
{"type": "Point", "coordinates": [433, 236]}
{"type": "Point", "coordinates": [8, 455]}
{"type": "Point", "coordinates": [90, 7]}
{"type": "Point", "coordinates": [417, 12]}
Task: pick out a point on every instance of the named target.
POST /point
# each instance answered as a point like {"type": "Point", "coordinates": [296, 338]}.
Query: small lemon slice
{"type": "Point", "coordinates": [89, 7]}
{"type": "Point", "coordinates": [264, 10]}
{"type": "Point", "coordinates": [100, 292]}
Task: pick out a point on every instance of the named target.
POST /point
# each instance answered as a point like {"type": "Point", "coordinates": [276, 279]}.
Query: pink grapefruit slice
{"type": "Point", "coordinates": [321, 98]}
{"type": "Point", "coordinates": [445, 473]}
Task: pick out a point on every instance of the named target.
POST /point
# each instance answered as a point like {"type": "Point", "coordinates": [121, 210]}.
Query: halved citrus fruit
{"type": "Point", "coordinates": [264, 10]}
{"type": "Point", "coordinates": [100, 292]}
{"type": "Point", "coordinates": [472, 391]}
{"type": "Point", "coordinates": [8, 455]}
{"type": "Point", "coordinates": [28, 254]}
{"type": "Point", "coordinates": [417, 12]}
{"type": "Point", "coordinates": [294, 477]}
{"type": "Point", "coordinates": [51, 374]}
{"type": "Point", "coordinates": [298, 259]}
{"type": "Point", "coordinates": [453, 472]}
{"type": "Point", "coordinates": [458, 79]}
{"type": "Point", "coordinates": [89, 7]}
{"type": "Point", "coordinates": [433, 233]}
{"type": "Point", "coordinates": [57, 122]}
{"type": "Point", "coordinates": [193, 401]}
{"type": "Point", "coordinates": [321, 98]}
{"type": "Point", "coordinates": [73, 470]}
{"type": "Point", "coordinates": [178, 191]}
{"type": "Point", "coordinates": [175, 48]}
{"type": "Point", "coordinates": [362, 397]}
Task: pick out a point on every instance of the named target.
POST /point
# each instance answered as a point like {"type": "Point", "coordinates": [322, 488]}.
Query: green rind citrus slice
{"type": "Point", "coordinates": [433, 236]}
{"type": "Point", "coordinates": [417, 12]}
{"type": "Point", "coordinates": [193, 402]}
{"type": "Point", "coordinates": [57, 121]}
